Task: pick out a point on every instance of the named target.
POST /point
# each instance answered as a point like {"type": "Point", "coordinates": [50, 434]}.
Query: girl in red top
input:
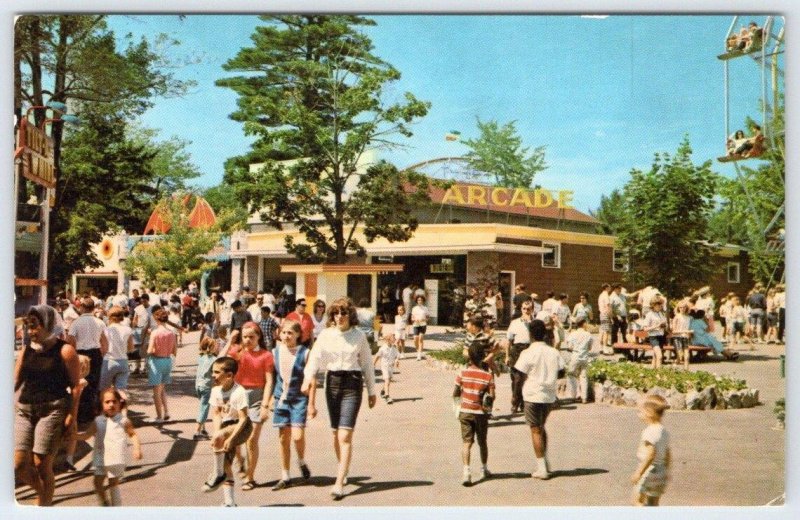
{"type": "Point", "coordinates": [255, 374]}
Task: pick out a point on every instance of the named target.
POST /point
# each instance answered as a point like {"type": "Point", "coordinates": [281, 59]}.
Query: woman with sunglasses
{"type": "Point", "coordinates": [318, 318]}
{"type": "Point", "coordinates": [45, 369]}
{"type": "Point", "coordinates": [343, 352]}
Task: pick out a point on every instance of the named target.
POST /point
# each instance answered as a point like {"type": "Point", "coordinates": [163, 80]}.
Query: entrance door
{"type": "Point", "coordinates": [506, 281]}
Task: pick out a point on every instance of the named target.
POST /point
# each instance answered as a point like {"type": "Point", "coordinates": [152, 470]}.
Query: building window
{"type": "Point", "coordinates": [620, 261]}
{"type": "Point", "coordinates": [553, 258]}
{"type": "Point", "coordinates": [733, 272]}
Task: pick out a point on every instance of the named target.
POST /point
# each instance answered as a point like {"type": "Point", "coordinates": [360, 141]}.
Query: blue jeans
{"type": "Point", "coordinates": [343, 390]}
{"type": "Point", "coordinates": [204, 394]}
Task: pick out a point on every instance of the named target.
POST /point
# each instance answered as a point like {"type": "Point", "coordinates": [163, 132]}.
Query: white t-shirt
{"type": "Point", "coordinates": [657, 436]}
{"type": "Point", "coordinates": [603, 302]}
{"type": "Point", "coordinates": [518, 331]}
{"type": "Point", "coordinates": [491, 306]}
{"type": "Point", "coordinates": [320, 325]}
{"type": "Point", "coordinates": [230, 401]}
{"type": "Point", "coordinates": [550, 305]}
{"type": "Point", "coordinates": [70, 315]}
{"type": "Point", "coordinates": [652, 322]}
{"type": "Point", "coordinates": [400, 326]}
{"type": "Point", "coordinates": [143, 318]}
{"type": "Point", "coordinates": [419, 315]}
{"type": "Point", "coordinates": [541, 364]}
{"type": "Point", "coordinates": [87, 331]}
{"type": "Point", "coordinates": [388, 355]}
{"type": "Point", "coordinates": [120, 300]}
{"type": "Point", "coordinates": [579, 341]}
{"type": "Point", "coordinates": [118, 335]}
{"type": "Point", "coordinates": [407, 292]}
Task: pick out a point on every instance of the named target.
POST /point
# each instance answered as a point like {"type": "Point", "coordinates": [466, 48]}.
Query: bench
{"type": "Point", "coordinates": [633, 350]}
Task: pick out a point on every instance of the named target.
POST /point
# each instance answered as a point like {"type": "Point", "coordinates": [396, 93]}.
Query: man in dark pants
{"type": "Point", "coordinates": [87, 333]}
{"type": "Point", "coordinates": [518, 339]}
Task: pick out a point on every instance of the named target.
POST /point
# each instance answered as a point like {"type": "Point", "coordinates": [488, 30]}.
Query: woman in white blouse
{"type": "Point", "coordinates": [343, 352]}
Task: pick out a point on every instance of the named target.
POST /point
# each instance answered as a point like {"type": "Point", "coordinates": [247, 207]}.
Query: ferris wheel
{"type": "Point", "coordinates": [450, 169]}
{"type": "Point", "coordinates": [764, 45]}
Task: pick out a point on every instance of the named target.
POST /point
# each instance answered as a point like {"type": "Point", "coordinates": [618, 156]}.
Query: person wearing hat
{"type": "Point", "coordinates": [304, 319]}
{"type": "Point", "coordinates": [269, 327]}
{"type": "Point", "coordinates": [239, 316]}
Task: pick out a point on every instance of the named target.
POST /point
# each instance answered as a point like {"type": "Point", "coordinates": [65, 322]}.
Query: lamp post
{"type": "Point", "coordinates": [35, 161]}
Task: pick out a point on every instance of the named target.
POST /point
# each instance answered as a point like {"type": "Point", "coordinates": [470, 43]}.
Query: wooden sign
{"type": "Point", "coordinates": [35, 150]}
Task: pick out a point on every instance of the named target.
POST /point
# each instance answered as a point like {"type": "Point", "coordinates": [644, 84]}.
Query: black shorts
{"type": "Point", "coordinates": [536, 413]}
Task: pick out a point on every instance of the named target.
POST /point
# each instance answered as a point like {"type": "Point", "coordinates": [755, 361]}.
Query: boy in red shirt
{"type": "Point", "coordinates": [475, 391]}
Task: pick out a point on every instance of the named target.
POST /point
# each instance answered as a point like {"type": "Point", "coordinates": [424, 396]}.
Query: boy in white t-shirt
{"type": "Point", "coordinates": [232, 425]}
{"type": "Point", "coordinates": [390, 359]}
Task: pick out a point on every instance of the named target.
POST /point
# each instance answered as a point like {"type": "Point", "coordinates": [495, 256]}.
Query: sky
{"type": "Point", "coordinates": [603, 95]}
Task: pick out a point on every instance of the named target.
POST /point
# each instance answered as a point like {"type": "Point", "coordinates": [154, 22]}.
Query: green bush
{"type": "Point", "coordinates": [454, 354]}
{"type": "Point", "coordinates": [631, 375]}
{"type": "Point", "coordinates": [780, 410]}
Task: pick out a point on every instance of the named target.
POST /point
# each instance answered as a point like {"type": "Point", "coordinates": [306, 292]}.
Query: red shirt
{"type": "Point", "coordinates": [253, 367]}
{"type": "Point", "coordinates": [473, 382]}
{"type": "Point", "coordinates": [306, 325]}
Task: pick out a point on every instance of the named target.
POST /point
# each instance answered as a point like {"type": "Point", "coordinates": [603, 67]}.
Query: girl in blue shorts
{"type": "Point", "coordinates": [291, 405]}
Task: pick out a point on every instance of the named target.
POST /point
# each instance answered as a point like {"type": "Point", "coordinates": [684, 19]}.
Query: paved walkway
{"type": "Point", "coordinates": [407, 453]}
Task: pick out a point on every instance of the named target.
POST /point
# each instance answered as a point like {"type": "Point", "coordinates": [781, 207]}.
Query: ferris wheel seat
{"type": "Point", "coordinates": [735, 53]}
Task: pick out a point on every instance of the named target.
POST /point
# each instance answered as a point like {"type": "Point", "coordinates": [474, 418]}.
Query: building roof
{"type": "Point", "coordinates": [202, 216]}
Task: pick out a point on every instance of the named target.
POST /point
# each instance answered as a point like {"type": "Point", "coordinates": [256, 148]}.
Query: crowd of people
{"type": "Point", "coordinates": [257, 357]}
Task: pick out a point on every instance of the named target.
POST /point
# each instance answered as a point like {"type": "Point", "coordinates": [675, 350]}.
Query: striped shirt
{"type": "Point", "coordinates": [474, 382]}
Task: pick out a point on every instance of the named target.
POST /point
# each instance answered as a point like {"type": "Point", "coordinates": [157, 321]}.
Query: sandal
{"type": "Point", "coordinates": [249, 485]}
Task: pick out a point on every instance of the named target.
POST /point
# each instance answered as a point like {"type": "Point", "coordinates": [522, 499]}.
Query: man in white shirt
{"type": "Point", "coordinates": [540, 363]}
{"type": "Point", "coordinates": [518, 338]}
{"type": "Point", "coordinates": [142, 323]}
{"type": "Point", "coordinates": [604, 311]}
{"type": "Point", "coordinates": [87, 333]}
{"type": "Point", "coordinates": [550, 304]}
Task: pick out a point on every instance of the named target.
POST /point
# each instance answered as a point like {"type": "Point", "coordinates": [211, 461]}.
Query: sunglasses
{"type": "Point", "coordinates": [340, 313]}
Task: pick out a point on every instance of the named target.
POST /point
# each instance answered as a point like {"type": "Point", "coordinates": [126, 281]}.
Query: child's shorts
{"type": "Point", "coordinates": [653, 482]}
{"type": "Point", "coordinates": [680, 343]}
{"type": "Point", "coordinates": [255, 397]}
{"type": "Point", "coordinates": [738, 326]}
{"type": "Point", "coordinates": [657, 341]}
{"type": "Point", "coordinates": [386, 371]}
{"type": "Point", "coordinates": [473, 425]}
{"type": "Point", "coordinates": [292, 412]}
{"type": "Point", "coordinates": [159, 370]}
{"type": "Point", "coordinates": [113, 471]}
{"type": "Point", "coordinates": [420, 329]}
{"type": "Point", "coordinates": [228, 428]}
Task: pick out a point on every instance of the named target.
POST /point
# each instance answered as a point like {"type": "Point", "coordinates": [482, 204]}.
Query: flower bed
{"type": "Point", "coordinates": [627, 383]}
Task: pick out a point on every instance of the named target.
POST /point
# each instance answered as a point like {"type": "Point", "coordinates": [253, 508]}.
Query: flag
{"type": "Point", "coordinates": [452, 135]}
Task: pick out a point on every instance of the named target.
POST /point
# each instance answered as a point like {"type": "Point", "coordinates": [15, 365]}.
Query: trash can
{"type": "Point", "coordinates": [783, 365]}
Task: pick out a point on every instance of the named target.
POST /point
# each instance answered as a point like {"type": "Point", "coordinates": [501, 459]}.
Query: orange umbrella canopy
{"type": "Point", "coordinates": [201, 217]}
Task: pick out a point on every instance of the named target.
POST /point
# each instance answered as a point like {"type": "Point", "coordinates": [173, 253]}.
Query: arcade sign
{"type": "Point", "coordinates": [483, 195]}
{"type": "Point", "coordinates": [35, 150]}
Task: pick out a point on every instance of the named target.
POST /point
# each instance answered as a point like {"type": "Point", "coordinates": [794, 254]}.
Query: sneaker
{"type": "Point", "coordinates": [199, 436]}
{"type": "Point", "coordinates": [231, 504]}
{"type": "Point", "coordinates": [337, 493]}
{"type": "Point", "coordinates": [466, 478]}
{"type": "Point", "coordinates": [389, 400]}
{"type": "Point", "coordinates": [281, 484]}
{"type": "Point", "coordinates": [213, 483]}
{"type": "Point", "coordinates": [305, 472]}
{"type": "Point", "coordinates": [485, 474]}
{"type": "Point", "coordinates": [541, 474]}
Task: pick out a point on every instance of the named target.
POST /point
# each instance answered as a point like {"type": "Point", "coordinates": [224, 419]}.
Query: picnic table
{"type": "Point", "coordinates": [636, 350]}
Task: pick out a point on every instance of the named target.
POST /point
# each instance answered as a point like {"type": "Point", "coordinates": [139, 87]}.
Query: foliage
{"type": "Point", "coordinates": [610, 213]}
{"type": "Point", "coordinates": [223, 199]}
{"type": "Point", "coordinates": [107, 181]}
{"type": "Point", "coordinates": [454, 354]}
{"type": "Point", "coordinates": [665, 217]}
{"type": "Point", "coordinates": [632, 375]}
{"type": "Point", "coordinates": [499, 152]}
{"type": "Point", "coordinates": [177, 257]}
{"type": "Point", "coordinates": [780, 410]}
{"type": "Point", "coordinates": [313, 95]}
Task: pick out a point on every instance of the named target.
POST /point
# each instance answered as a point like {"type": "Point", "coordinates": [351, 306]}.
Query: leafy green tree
{"type": "Point", "coordinates": [665, 218]}
{"type": "Point", "coordinates": [610, 213]}
{"type": "Point", "coordinates": [224, 201]}
{"type": "Point", "coordinates": [315, 97]}
{"type": "Point", "coordinates": [107, 181]}
{"type": "Point", "coordinates": [499, 152]}
{"type": "Point", "coordinates": [176, 257]}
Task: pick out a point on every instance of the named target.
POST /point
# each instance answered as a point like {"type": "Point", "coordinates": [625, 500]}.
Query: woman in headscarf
{"type": "Point", "coordinates": [45, 373]}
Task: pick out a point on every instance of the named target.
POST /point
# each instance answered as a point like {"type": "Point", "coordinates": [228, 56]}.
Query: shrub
{"type": "Point", "coordinates": [780, 411]}
{"type": "Point", "coordinates": [631, 375]}
{"type": "Point", "coordinates": [454, 354]}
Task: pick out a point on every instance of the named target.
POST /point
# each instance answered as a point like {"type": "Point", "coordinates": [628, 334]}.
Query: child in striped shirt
{"type": "Point", "coordinates": [475, 390]}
